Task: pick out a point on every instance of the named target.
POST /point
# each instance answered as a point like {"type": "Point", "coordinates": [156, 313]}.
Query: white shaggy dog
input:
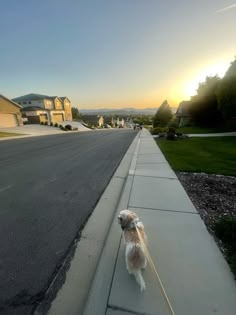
{"type": "Point", "coordinates": [134, 253]}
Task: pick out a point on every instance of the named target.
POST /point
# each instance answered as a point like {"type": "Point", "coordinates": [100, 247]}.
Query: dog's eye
{"type": "Point", "coordinates": [121, 219]}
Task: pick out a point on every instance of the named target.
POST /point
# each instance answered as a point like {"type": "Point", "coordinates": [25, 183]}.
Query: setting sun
{"type": "Point", "coordinates": [215, 69]}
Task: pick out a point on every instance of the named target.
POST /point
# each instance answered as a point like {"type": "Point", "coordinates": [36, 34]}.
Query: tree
{"type": "Point", "coordinates": [226, 94]}
{"type": "Point", "coordinates": [163, 115]}
{"type": "Point", "coordinates": [204, 106]}
{"type": "Point", "coordinates": [75, 113]}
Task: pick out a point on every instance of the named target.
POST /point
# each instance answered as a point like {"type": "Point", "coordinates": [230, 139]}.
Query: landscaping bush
{"type": "Point", "coordinates": [171, 134]}
{"type": "Point", "coordinates": [225, 230]}
{"type": "Point", "coordinates": [158, 130]}
{"type": "Point", "coordinates": [56, 125]}
{"type": "Point", "coordinates": [41, 123]}
{"type": "Point", "coordinates": [51, 124]}
{"type": "Point", "coordinates": [173, 124]}
{"type": "Point", "coordinates": [171, 130]}
{"type": "Point", "coordinates": [68, 127]}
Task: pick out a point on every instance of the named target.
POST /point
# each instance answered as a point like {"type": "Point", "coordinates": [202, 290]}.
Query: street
{"type": "Point", "coordinates": [48, 187]}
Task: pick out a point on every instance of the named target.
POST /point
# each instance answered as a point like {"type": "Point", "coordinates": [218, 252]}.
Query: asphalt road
{"type": "Point", "coordinates": [48, 187]}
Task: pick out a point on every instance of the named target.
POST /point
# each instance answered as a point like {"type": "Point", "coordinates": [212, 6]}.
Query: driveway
{"type": "Point", "coordinates": [40, 130]}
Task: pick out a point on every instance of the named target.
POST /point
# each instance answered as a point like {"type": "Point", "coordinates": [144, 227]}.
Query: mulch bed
{"type": "Point", "coordinates": [214, 196]}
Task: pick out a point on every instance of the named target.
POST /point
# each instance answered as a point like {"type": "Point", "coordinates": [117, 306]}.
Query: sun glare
{"type": "Point", "coordinates": [215, 69]}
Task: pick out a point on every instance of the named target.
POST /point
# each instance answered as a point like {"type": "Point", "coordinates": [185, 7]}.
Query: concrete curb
{"type": "Point", "coordinates": [99, 294]}
{"type": "Point", "coordinates": [72, 297]}
{"type": "Point", "coordinates": [23, 136]}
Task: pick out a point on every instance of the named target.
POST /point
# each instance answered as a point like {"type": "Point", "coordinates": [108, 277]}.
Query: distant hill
{"type": "Point", "coordinates": [121, 111]}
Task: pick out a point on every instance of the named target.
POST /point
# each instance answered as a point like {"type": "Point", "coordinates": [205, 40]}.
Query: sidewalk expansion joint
{"type": "Point", "coordinates": [151, 153]}
{"type": "Point", "coordinates": [172, 178]}
{"type": "Point", "coordinates": [116, 308]}
{"type": "Point", "coordinates": [163, 210]}
{"type": "Point", "coordinates": [122, 177]}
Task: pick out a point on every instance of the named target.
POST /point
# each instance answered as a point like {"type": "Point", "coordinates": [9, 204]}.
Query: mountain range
{"type": "Point", "coordinates": [122, 111]}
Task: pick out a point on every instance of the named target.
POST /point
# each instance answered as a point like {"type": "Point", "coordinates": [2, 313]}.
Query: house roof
{"type": "Point", "coordinates": [32, 108]}
{"type": "Point", "coordinates": [91, 118]}
{"type": "Point", "coordinates": [11, 101]}
{"type": "Point", "coordinates": [183, 109]}
{"type": "Point", "coordinates": [63, 98]}
{"type": "Point", "coordinates": [33, 96]}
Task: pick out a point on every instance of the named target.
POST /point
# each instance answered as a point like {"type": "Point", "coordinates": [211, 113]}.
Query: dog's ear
{"type": "Point", "coordinates": [132, 215]}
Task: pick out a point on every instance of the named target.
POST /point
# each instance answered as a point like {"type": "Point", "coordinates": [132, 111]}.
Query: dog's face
{"type": "Point", "coordinates": [125, 218]}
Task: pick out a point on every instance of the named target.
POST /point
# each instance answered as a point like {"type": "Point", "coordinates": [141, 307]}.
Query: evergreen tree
{"type": "Point", "coordinates": [163, 115]}
{"type": "Point", "coordinates": [75, 113]}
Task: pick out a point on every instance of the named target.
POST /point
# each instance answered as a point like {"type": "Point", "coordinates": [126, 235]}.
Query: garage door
{"type": "Point", "coordinates": [8, 120]}
{"type": "Point", "coordinates": [43, 117]}
{"type": "Point", "coordinates": [57, 118]}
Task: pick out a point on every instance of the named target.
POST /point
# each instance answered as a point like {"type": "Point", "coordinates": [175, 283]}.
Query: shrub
{"type": "Point", "coordinates": [56, 125]}
{"type": "Point", "coordinates": [41, 123]}
{"type": "Point", "coordinates": [225, 229]}
{"type": "Point", "coordinates": [158, 130]}
{"type": "Point", "coordinates": [173, 124]}
{"type": "Point", "coordinates": [68, 127]}
{"type": "Point", "coordinates": [171, 134]}
{"type": "Point", "coordinates": [171, 130]}
{"type": "Point", "coordinates": [51, 124]}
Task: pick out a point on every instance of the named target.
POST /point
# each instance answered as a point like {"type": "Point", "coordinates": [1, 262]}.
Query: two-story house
{"type": "Point", "coordinates": [43, 108]}
{"type": "Point", "coordinates": [93, 120]}
{"type": "Point", "coordinates": [10, 115]}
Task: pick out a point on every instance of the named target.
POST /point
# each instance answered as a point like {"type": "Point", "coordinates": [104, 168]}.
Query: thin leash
{"type": "Point", "coordinates": [155, 271]}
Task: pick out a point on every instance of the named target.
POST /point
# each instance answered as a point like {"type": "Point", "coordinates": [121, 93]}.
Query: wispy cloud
{"type": "Point", "coordinates": [233, 6]}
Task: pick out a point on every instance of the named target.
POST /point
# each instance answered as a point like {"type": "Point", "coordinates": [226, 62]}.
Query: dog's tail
{"type": "Point", "coordinates": [139, 279]}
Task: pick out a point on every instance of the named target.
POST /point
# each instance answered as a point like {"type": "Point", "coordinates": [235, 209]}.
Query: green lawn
{"type": "Point", "coordinates": [193, 129]}
{"type": "Point", "coordinates": [215, 155]}
{"type": "Point", "coordinates": [8, 134]}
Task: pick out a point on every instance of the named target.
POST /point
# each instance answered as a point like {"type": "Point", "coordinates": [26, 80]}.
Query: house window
{"type": "Point", "coordinates": [48, 104]}
{"type": "Point", "coordinates": [58, 105]}
{"type": "Point", "coordinates": [24, 102]}
{"type": "Point", "coordinates": [29, 102]}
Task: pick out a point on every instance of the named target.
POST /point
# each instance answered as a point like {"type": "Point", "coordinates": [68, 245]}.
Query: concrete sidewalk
{"type": "Point", "coordinates": [206, 135]}
{"type": "Point", "coordinates": [194, 273]}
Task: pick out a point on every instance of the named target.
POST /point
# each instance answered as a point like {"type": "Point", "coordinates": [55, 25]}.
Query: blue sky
{"type": "Point", "coordinates": [114, 53]}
